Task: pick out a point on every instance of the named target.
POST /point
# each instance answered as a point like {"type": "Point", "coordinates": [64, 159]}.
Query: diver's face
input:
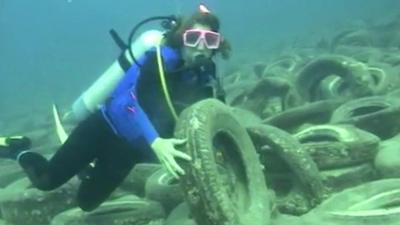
{"type": "Point", "coordinates": [190, 53]}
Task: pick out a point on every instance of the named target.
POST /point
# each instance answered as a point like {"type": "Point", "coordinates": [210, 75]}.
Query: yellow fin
{"type": "Point", "coordinates": [62, 135]}
{"type": "Point", "coordinates": [3, 141]}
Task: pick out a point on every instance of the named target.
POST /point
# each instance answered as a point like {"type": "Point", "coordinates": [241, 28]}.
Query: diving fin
{"type": "Point", "coordinates": [5, 141]}
{"type": "Point", "coordinates": [11, 146]}
{"type": "Point", "coordinates": [62, 135]}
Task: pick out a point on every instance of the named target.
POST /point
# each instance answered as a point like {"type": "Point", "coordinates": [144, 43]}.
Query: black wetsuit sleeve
{"type": "Point", "coordinates": [210, 70]}
{"type": "Point", "coordinates": [220, 93]}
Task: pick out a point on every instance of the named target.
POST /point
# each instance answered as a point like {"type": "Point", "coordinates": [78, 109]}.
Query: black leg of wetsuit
{"type": "Point", "coordinates": [92, 140]}
{"type": "Point", "coordinates": [112, 166]}
{"type": "Point", "coordinates": [81, 148]}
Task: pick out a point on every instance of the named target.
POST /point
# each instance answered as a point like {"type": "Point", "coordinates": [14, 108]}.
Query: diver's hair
{"type": "Point", "coordinates": [174, 36]}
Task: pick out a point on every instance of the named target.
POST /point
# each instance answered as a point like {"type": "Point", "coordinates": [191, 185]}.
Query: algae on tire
{"type": "Point", "coordinates": [224, 183]}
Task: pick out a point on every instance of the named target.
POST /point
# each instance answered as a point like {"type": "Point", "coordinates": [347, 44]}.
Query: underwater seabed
{"type": "Point", "coordinates": [310, 136]}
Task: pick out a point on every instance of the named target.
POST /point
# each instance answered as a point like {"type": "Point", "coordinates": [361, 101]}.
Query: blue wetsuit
{"type": "Point", "coordinates": [137, 107]}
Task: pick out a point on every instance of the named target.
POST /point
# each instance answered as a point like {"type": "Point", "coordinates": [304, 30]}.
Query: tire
{"type": "Point", "coordinates": [299, 161]}
{"type": "Point", "coordinates": [137, 178]}
{"type": "Point", "coordinates": [24, 205]}
{"type": "Point", "coordinates": [330, 87]}
{"type": "Point", "coordinates": [385, 78]}
{"type": "Point", "coordinates": [213, 198]}
{"type": "Point", "coordinates": [10, 192]}
{"type": "Point", "coordinates": [164, 188]}
{"type": "Point", "coordinates": [367, 204]}
{"type": "Point", "coordinates": [392, 58]}
{"type": "Point", "coordinates": [314, 113]}
{"type": "Point", "coordinates": [336, 146]}
{"type": "Point", "coordinates": [357, 80]}
{"type": "Point", "coordinates": [157, 222]}
{"type": "Point", "coordinates": [180, 215]}
{"type": "Point", "coordinates": [296, 202]}
{"type": "Point", "coordinates": [245, 117]}
{"type": "Point", "coordinates": [387, 161]}
{"type": "Point", "coordinates": [340, 179]}
{"type": "Point", "coordinates": [9, 172]}
{"type": "Point", "coordinates": [355, 37]}
{"type": "Point", "coordinates": [394, 94]}
{"type": "Point", "coordinates": [126, 210]}
{"type": "Point", "coordinates": [285, 64]}
{"type": "Point", "coordinates": [234, 91]}
{"type": "Point", "coordinates": [379, 115]}
{"type": "Point", "coordinates": [268, 97]}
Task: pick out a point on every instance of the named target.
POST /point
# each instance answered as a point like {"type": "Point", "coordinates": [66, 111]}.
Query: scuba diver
{"type": "Point", "coordinates": [129, 117]}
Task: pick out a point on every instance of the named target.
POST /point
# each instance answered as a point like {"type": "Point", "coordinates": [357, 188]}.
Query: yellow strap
{"type": "Point", "coordinates": [163, 83]}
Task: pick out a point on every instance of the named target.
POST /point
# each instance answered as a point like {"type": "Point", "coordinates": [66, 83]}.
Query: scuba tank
{"type": "Point", "coordinates": [92, 98]}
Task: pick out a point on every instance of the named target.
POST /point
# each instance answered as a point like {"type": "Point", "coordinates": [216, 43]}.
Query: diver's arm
{"type": "Point", "coordinates": [219, 93]}
{"type": "Point", "coordinates": [142, 120]}
{"type": "Point", "coordinates": [164, 148]}
{"type": "Point", "coordinates": [149, 68]}
{"type": "Point", "coordinates": [131, 105]}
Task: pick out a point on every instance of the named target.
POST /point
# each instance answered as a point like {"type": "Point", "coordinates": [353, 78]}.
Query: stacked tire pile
{"type": "Point", "coordinates": [312, 134]}
{"type": "Point", "coordinates": [148, 196]}
{"type": "Point", "coordinates": [325, 120]}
